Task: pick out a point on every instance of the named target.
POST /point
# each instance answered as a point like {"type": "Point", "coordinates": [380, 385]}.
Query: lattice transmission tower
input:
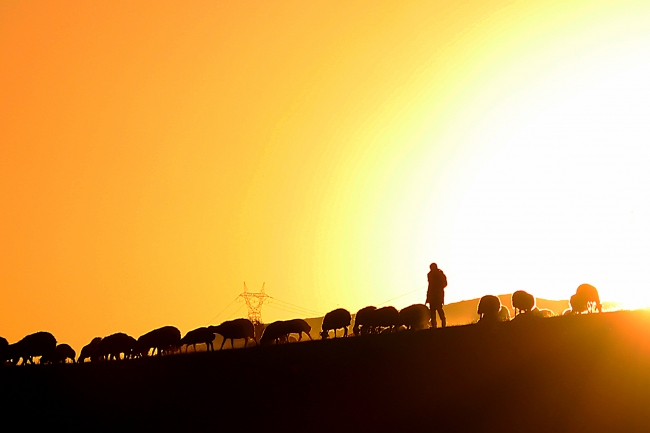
{"type": "Point", "coordinates": [254, 302]}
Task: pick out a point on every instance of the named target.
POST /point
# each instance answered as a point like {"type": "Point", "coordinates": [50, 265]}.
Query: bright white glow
{"type": "Point", "coordinates": [560, 194]}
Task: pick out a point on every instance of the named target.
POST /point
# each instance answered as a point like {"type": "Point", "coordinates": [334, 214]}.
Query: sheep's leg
{"type": "Point", "coordinates": [345, 331]}
{"type": "Point", "coordinates": [300, 336]}
{"type": "Point", "coordinates": [309, 335]}
{"type": "Point", "coordinates": [222, 343]}
{"type": "Point", "coordinates": [232, 343]}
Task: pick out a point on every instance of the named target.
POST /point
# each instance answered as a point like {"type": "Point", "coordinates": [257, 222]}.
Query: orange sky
{"type": "Point", "coordinates": [156, 155]}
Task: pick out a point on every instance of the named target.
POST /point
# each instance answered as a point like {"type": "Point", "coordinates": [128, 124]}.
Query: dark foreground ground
{"type": "Point", "coordinates": [564, 374]}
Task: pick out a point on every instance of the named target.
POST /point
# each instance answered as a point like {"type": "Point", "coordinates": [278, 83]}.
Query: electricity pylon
{"type": "Point", "coordinates": [254, 302]}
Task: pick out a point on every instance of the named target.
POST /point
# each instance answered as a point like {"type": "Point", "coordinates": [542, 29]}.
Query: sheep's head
{"type": "Point", "coordinates": [324, 335]}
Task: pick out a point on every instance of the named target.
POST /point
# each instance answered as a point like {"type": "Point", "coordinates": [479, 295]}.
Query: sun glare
{"type": "Point", "coordinates": [557, 195]}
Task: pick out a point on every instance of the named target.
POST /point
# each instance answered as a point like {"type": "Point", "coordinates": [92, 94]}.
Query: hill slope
{"type": "Point", "coordinates": [571, 373]}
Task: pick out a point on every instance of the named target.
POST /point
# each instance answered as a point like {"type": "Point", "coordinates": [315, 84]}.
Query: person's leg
{"type": "Point", "coordinates": [432, 310]}
{"type": "Point", "coordinates": [443, 319]}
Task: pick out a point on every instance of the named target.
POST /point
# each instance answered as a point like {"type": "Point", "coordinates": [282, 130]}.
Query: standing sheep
{"type": "Point", "coordinates": [335, 319]}
{"type": "Point", "coordinates": [37, 344]}
{"type": "Point", "coordinates": [415, 317]}
{"type": "Point", "coordinates": [362, 320]}
{"type": "Point", "coordinates": [522, 302]}
{"type": "Point", "coordinates": [488, 309]}
{"type": "Point", "coordinates": [238, 328]}
{"type": "Point", "coordinates": [160, 340]}
{"type": "Point", "coordinates": [61, 354]}
{"type": "Point", "coordinates": [90, 350]}
{"type": "Point", "coordinates": [275, 332]}
{"type": "Point", "coordinates": [199, 335]}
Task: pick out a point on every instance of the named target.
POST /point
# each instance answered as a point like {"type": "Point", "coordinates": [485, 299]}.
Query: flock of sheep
{"type": "Point", "coordinates": [585, 300]}
{"type": "Point", "coordinates": [368, 320]}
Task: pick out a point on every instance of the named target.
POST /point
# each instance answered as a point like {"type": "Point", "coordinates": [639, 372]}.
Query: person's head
{"type": "Point", "coordinates": [433, 266]}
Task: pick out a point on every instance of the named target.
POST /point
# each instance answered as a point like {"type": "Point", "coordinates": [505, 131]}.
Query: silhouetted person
{"type": "Point", "coordinates": [436, 294]}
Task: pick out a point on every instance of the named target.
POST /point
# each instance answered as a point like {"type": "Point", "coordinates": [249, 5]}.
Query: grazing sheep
{"type": "Point", "coordinates": [578, 304]}
{"type": "Point", "coordinates": [522, 302]}
{"type": "Point", "coordinates": [238, 328]}
{"type": "Point", "coordinates": [588, 295]}
{"type": "Point", "coordinates": [90, 350]}
{"type": "Point", "coordinates": [543, 313]}
{"type": "Point", "coordinates": [504, 314]}
{"type": "Point", "coordinates": [415, 317]}
{"type": "Point", "coordinates": [62, 352]}
{"type": "Point", "coordinates": [382, 318]}
{"type": "Point", "coordinates": [361, 320]}
{"type": "Point", "coordinates": [488, 308]}
{"type": "Point", "coordinates": [4, 345]}
{"type": "Point", "coordinates": [335, 319]}
{"type": "Point", "coordinates": [162, 340]}
{"type": "Point", "coordinates": [298, 326]}
{"type": "Point", "coordinates": [197, 336]}
{"type": "Point", "coordinates": [37, 344]}
{"type": "Point", "coordinates": [275, 332]}
{"type": "Point", "coordinates": [115, 345]}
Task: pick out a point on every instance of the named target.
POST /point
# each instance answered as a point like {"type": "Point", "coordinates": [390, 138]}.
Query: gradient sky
{"type": "Point", "coordinates": [156, 155]}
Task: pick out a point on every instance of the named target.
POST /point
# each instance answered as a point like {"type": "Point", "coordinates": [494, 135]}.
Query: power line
{"type": "Point", "coordinates": [221, 312]}
{"type": "Point", "coordinates": [402, 295]}
{"type": "Point", "coordinates": [280, 308]}
{"type": "Point", "coordinates": [290, 309]}
{"type": "Point", "coordinates": [235, 312]}
{"type": "Point", "coordinates": [306, 310]}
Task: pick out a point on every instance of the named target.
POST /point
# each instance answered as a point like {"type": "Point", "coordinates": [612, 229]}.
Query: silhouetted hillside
{"type": "Point", "coordinates": [561, 374]}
